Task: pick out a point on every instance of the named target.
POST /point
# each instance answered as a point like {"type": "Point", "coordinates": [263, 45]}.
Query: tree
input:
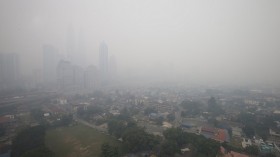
{"type": "Point", "coordinates": [247, 119]}
{"type": "Point", "coordinates": [208, 147]}
{"type": "Point", "coordinates": [249, 131]}
{"type": "Point", "coordinates": [150, 110]}
{"type": "Point", "coordinates": [118, 124]}
{"type": "Point", "coordinates": [270, 155]}
{"type": "Point", "coordinates": [94, 109]}
{"type": "Point", "coordinates": [213, 107]}
{"type": "Point", "coordinates": [212, 102]}
{"type": "Point", "coordinates": [136, 139]}
{"type": "Point", "coordinates": [28, 140]}
{"type": "Point", "coordinates": [65, 120]}
{"type": "Point", "coordinates": [159, 120]}
{"type": "Point", "coordinates": [177, 135]}
{"type": "Point", "coordinates": [39, 152]}
{"type": "Point", "coordinates": [204, 147]}
{"type": "Point", "coordinates": [184, 114]}
{"type": "Point", "coordinates": [252, 150]}
{"type": "Point", "coordinates": [116, 127]}
{"type": "Point", "coordinates": [169, 148]}
{"type": "Point", "coordinates": [171, 117]}
{"type": "Point", "coordinates": [2, 131]}
{"type": "Point", "coordinates": [37, 114]}
{"type": "Point", "coordinates": [192, 107]}
{"type": "Point", "coordinates": [109, 151]}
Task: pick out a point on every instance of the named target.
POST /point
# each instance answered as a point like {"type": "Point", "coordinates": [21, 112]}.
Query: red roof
{"type": "Point", "coordinates": [231, 153]}
{"type": "Point", "coordinates": [220, 135]}
{"type": "Point", "coordinates": [208, 129]}
{"type": "Point", "coordinates": [4, 119]}
{"type": "Point", "coordinates": [214, 133]}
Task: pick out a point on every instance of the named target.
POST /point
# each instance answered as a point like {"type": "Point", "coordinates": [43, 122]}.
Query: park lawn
{"type": "Point", "coordinates": [77, 141]}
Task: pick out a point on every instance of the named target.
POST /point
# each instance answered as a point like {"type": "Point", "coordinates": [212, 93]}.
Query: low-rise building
{"type": "Point", "coordinates": [246, 142]}
{"type": "Point", "coordinates": [225, 153]}
{"type": "Point", "coordinates": [220, 135]}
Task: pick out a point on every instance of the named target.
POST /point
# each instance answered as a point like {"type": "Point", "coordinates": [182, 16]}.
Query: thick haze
{"type": "Point", "coordinates": [218, 41]}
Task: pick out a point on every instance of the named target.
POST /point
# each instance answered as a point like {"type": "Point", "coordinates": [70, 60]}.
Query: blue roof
{"type": "Point", "coordinates": [188, 125]}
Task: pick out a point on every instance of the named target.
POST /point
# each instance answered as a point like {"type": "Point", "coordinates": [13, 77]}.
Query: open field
{"type": "Point", "coordinates": [77, 141]}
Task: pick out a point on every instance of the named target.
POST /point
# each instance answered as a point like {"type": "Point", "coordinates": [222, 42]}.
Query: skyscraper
{"type": "Point", "coordinates": [103, 62]}
{"type": "Point", "coordinates": [65, 75]}
{"type": "Point", "coordinates": [76, 49]}
{"type": "Point", "coordinates": [91, 78]}
{"type": "Point", "coordinates": [80, 57]}
{"type": "Point", "coordinates": [71, 44]}
{"type": "Point", "coordinates": [9, 70]}
{"type": "Point", "coordinates": [50, 61]}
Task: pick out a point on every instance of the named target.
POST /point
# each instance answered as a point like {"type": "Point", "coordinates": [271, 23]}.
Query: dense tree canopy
{"type": "Point", "coordinates": [176, 137]}
{"type": "Point", "coordinates": [116, 127]}
{"type": "Point", "coordinates": [253, 150]}
{"type": "Point", "coordinates": [109, 151]}
{"type": "Point", "coordinates": [39, 152]}
{"type": "Point", "coordinates": [150, 110]}
{"type": "Point", "coordinates": [136, 139]}
{"type": "Point", "coordinates": [30, 141]}
{"type": "Point", "coordinates": [171, 117]}
{"type": "Point", "coordinates": [169, 148]}
{"type": "Point", "coordinates": [214, 107]}
{"type": "Point", "coordinates": [37, 114]}
{"type": "Point", "coordinates": [191, 107]}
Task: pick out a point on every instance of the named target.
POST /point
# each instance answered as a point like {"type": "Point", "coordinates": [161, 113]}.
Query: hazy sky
{"type": "Point", "coordinates": [202, 40]}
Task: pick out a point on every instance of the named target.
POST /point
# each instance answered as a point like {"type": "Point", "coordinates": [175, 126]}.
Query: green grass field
{"type": "Point", "coordinates": [77, 141]}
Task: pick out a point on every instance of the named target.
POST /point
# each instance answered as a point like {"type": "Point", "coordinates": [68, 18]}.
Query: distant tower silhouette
{"type": "Point", "coordinates": [81, 51]}
{"type": "Point", "coordinates": [9, 70]}
{"type": "Point", "coordinates": [103, 62]}
{"type": "Point", "coordinates": [71, 44]}
{"type": "Point", "coordinates": [50, 61]}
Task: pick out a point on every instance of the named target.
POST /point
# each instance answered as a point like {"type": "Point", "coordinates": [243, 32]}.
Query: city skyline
{"type": "Point", "coordinates": [141, 78]}
{"type": "Point", "coordinates": [198, 42]}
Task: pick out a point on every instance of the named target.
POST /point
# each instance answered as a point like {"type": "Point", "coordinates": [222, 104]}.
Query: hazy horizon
{"type": "Point", "coordinates": [188, 41]}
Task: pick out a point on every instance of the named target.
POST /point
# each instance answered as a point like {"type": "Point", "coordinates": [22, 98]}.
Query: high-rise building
{"type": "Point", "coordinates": [69, 76]}
{"type": "Point", "coordinates": [9, 70]}
{"type": "Point", "coordinates": [103, 62]}
{"type": "Point", "coordinates": [75, 48]}
{"type": "Point", "coordinates": [91, 78]}
{"type": "Point", "coordinates": [71, 44]}
{"type": "Point", "coordinates": [80, 58]}
{"type": "Point", "coordinates": [50, 61]}
{"type": "Point", "coordinates": [65, 75]}
{"type": "Point", "coordinates": [78, 74]}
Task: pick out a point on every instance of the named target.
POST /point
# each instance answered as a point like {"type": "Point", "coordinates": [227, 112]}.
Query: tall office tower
{"type": "Point", "coordinates": [9, 70]}
{"type": "Point", "coordinates": [50, 61]}
{"type": "Point", "coordinates": [103, 62]}
{"type": "Point", "coordinates": [80, 56]}
{"type": "Point", "coordinates": [71, 44]}
{"type": "Point", "coordinates": [76, 49]}
{"type": "Point", "coordinates": [78, 74]}
{"type": "Point", "coordinates": [91, 78]}
{"type": "Point", "coordinates": [65, 75]}
{"type": "Point", "coordinates": [36, 78]}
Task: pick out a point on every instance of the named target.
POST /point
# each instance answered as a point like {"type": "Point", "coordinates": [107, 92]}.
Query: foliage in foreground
{"type": "Point", "coordinates": [109, 151]}
{"type": "Point", "coordinates": [31, 142]}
